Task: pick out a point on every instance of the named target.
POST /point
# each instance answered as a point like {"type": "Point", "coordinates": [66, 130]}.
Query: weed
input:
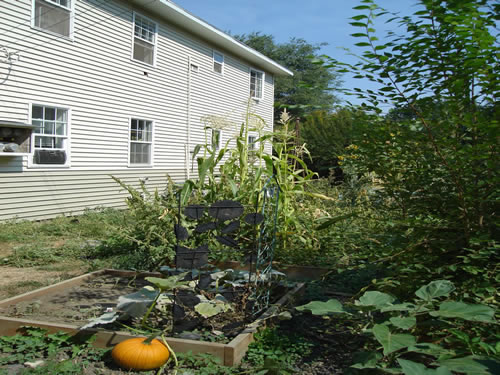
{"type": "Point", "coordinates": [202, 364]}
{"type": "Point", "coordinates": [58, 350]}
{"type": "Point", "coordinates": [276, 350]}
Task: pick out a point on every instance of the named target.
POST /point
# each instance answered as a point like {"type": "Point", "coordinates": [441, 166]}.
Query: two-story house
{"type": "Point", "coordinates": [93, 88]}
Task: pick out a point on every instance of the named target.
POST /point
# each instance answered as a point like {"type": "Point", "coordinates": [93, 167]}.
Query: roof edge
{"type": "Point", "coordinates": [228, 41]}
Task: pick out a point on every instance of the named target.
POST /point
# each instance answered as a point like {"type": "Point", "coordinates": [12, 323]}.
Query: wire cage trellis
{"type": "Point", "coordinates": [228, 229]}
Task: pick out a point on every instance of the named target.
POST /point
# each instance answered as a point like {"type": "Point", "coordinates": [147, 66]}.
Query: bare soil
{"type": "Point", "coordinates": [14, 281]}
{"type": "Point", "coordinates": [76, 304]}
{"type": "Point", "coordinates": [80, 303]}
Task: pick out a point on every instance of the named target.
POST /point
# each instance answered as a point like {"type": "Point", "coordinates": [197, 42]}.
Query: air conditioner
{"type": "Point", "coordinates": [50, 157]}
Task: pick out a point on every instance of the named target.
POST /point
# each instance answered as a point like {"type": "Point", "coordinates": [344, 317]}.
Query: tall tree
{"type": "Point", "coordinates": [436, 156]}
{"type": "Point", "coordinates": [326, 136]}
{"type": "Point", "coordinates": [310, 87]}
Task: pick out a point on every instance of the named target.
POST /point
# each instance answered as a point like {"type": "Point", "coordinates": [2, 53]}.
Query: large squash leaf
{"type": "Point", "coordinates": [332, 306]}
{"type": "Point", "coordinates": [474, 313]}
{"type": "Point", "coordinates": [435, 289]}
{"type": "Point", "coordinates": [472, 365]}
{"type": "Point", "coordinates": [374, 298]}
{"type": "Point", "coordinates": [404, 322]}
{"type": "Point", "coordinates": [390, 341]}
{"type": "Point", "coordinates": [413, 368]}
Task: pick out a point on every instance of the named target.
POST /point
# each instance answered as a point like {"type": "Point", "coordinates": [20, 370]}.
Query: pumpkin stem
{"type": "Point", "coordinates": [150, 338]}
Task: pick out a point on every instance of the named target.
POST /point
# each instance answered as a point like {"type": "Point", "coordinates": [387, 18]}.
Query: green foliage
{"type": "Point", "coordinates": [58, 350]}
{"type": "Point", "coordinates": [144, 240]}
{"type": "Point", "coordinates": [309, 88]}
{"type": "Point", "coordinates": [433, 160]}
{"type": "Point", "coordinates": [202, 364]}
{"type": "Point", "coordinates": [276, 353]}
{"type": "Point", "coordinates": [326, 136]}
{"type": "Point", "coordinates": [418, 335]}
{"type": "Point", "coordinates": [62, 239]}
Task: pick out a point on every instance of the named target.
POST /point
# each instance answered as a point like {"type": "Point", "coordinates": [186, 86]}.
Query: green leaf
{"type": "Point", "coordinates": [136, 304]}
{"type": "Point", "coordinates": [357, 24]}
{"type": "Point", "coordinates": [392, 342]}
{"type": "Point", "coordinates": [169, 283]}
{"type": "Point", "coordinates": [207, 309]}
{"type": "Point", "coordinates": [472, 365]}
{"type": "Point", "coordinates": [375, 298]}
{"type": "Point", "coordinates": [431, 349]}
{"type": "Point", "coordinates": [359, 17]}
{"type": "Point", "coordinates": [401, 307]}
{"type": "Point", "coordinates": [413, 368]}
{"type": "Point", "coordinates": [474, 313]}
{"type": "Point", "coordinates": [361, 7]}
{"type": "Point", "coordinates": [204, 167]}
{"type": "Point", "coordinates": [404, 323]}
{"type": "Point", "coordinates": [187, 188]}
{"type": "Point", "coordinates": [332, 306]}
{"type": "Point", "coordinates": [329, 221]}
{"type": "Point", "coordinates": [435, 289]}
{"type": "Point", "coordinates": [364, 360]}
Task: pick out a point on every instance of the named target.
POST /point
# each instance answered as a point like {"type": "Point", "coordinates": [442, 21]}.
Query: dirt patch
{"type": "Point", "coordinates": [5, 249]}
{"type": "Point", "coordinates": [14, 281]}
{"type": "Point", "coordinates": [77, 304]}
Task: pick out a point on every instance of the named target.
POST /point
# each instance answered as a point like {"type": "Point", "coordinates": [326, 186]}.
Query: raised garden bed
{"type": "Point", "coordinates": [66, 306]}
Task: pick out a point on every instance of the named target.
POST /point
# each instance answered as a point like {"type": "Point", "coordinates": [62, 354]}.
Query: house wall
{"type": "Point", "coordinates": [94, 76]}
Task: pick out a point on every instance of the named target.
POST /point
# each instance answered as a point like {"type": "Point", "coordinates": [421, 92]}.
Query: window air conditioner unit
{"type": "Point", "coordinates": [50, 157]}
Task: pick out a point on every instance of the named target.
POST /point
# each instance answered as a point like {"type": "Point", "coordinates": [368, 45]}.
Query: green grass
{"type": "Point", "coordinates": [63, 239]}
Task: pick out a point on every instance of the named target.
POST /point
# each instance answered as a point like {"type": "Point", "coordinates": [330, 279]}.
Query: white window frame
{"type": "Point", "coordinates": [155, 44]}
{"type": "Point", "coordinates": [214, 52]}
{"type": "Point", "coordinates": [67, 148]}
{"type": "Point", "coordinates": [254, 143]}
{"type": "Point", "coordinates": [71, 10]}
{"type": "Point", "coordinates": [152, 143]}
{"type": "Point", "coordinates": [257, 98]}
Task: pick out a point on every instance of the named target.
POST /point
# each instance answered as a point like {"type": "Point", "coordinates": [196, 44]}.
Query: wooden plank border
{"type": "Point", "coordinates": [230, 354]}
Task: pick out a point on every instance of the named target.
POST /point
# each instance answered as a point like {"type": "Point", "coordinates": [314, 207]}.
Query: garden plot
{"type": "Point", "coordinates": [72, 304]}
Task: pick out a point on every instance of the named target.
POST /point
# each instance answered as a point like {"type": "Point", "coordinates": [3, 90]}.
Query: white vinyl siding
{"type": "Point", "coordinates": [144, 40]}
{"type": "Point", "coordinates": [95, 78]}
{"type": "Point", "coordinates": [53, 15]}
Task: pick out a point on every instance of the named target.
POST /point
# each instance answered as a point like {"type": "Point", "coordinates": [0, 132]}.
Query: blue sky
{"type": "Point", "coordinates": [316, 21]}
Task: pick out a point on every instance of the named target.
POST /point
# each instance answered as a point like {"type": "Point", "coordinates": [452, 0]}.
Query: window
{"type": "Point", "coordinates": [252, 140]}
{"type": "Point", "coordinates": [218, 62]}
{"type": "Point", "coordinates": [144, 40]}
{"type": "Point", "coordinates": [256, 88]}
{"type": "Point", "coordinates": [216, 139]}
{"type": "Point", "coordinates": [50, 137]}
{"type": "Point", "coordinates": [141, 141]}
{"type": "Point", "coordinates": [53, 15]}
{"type": "Point", "coordinates": [252, 146]}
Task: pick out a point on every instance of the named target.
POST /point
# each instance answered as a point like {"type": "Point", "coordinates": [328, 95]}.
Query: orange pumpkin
{"type": "Point", "coordinates": [140, 354]}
